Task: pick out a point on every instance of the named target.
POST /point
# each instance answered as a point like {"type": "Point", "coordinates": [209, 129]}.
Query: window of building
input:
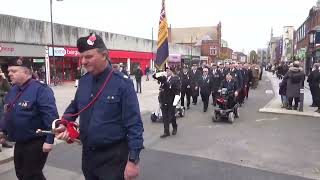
{"type": "Point", "coordinates": [213, 50]}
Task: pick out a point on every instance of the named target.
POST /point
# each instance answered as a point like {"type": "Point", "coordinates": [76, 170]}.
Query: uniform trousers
{"type": "Point", "coordinates": [215, 95]}
{"type": "Point", "coordinates": [168, 115]}
{"type": "Point", "coordinates": [105, 163]}
{"type": "Point", "coordinates": [205, 100]}
{"type": "Point", "coordinates": [187, 93]}
{"type": "Point", "coordinates": [29, 160]}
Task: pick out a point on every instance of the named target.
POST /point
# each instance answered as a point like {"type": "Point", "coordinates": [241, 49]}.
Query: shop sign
{"type": "Point", "coordinates": [204, 58]}
{"type": "Point", "coordinates": [64, 52]}
{"type": "Point", "coordinates": [6, 49]}
{"type": "Point", "coordinates": [38, 60]}
{"type": "Point", "coordinates": [25, 50]}
{"type": "Point", "coordinates": [174, 58]}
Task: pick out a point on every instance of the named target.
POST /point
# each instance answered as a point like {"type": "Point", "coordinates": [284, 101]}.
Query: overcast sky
{"type": "Point", "coordinates": [246, 24]}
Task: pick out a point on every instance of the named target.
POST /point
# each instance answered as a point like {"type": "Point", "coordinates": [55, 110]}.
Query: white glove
{"type": "Point", "coordinates": [159, 74]}
{"type": "Point", "coordinates": [188, 86]}
{"type": "Point", "coordinates": [176, 100]}
{"type": "Point", "coordinates": [3, 76]}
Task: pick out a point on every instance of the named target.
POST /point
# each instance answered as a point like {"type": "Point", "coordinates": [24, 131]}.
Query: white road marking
{"type": "Point", "coordinates": [273, 119]}
{"type": "Point", "coordinates": [269, 92]}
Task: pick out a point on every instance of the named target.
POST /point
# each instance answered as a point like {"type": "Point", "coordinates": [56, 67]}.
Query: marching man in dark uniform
{"type": "Point", "coordinates": [216, 79]}
{"type": "Point", "coordinates": [29, 105]}
{"type": "Point", "coordinates": [205, 88]}
{"type": "Point", "coordinates": [185, 86]}
{"type": "Point", "coordinates": [111, 129]}
{"type": "Point", "coordinates": [169, 98]}
{"type": "Point", "coordinates": [194, 76]}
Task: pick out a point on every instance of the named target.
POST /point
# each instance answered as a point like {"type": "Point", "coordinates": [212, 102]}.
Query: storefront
{"type": "Point", "coordinates": [34, 53]}
{"type": "Point", "coordinates": [65, 63]}
{"type": "Point", "coordinates": [132, 59]}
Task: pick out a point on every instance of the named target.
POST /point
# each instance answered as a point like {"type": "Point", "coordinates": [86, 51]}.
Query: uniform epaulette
{"type": "Point", "coordinates": [120, 74]}
{"type": "Point", "coordinates": [41, 82]}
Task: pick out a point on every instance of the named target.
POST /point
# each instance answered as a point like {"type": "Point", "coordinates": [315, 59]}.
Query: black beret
{"type": "Point", "coordinates": [20, 62]}
{"type": "Point", "coordinates": [90, 42]}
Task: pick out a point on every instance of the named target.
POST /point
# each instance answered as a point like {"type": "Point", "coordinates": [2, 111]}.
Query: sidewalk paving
{"type": "Point", "coordinates": [274, 106]}
{"type": "Point", "coordinates": [148, 101]}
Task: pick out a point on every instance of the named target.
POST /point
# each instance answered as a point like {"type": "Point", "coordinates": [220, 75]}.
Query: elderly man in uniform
{"type": "Point", "coordinates": [194, 83]}
{"type": "Point", "coordinates": [185, 86]}
{"type": "Point", "coordinates": [205, 88]}
{"type": "Point", "coordinates": [169, 98]}
{"type": "Point", "coordinates": [216, 79]}
{"type": "Point", "coordinates": [111, 128]}
{"type": "Point", "coordinates": [29, 105]}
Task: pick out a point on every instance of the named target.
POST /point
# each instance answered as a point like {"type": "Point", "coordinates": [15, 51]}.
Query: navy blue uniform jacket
{"type": "Point", "coordinates": [34, 109]}
{"type": "Point", "coordinates": [115, 116]}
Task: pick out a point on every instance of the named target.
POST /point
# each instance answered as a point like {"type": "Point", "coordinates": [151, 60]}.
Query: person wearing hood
{"type": "Point", "coordinates": [295, 80]}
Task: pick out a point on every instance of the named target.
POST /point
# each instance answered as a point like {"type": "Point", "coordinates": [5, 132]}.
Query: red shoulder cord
{"type": "Point", "coordinates": [73, 127]}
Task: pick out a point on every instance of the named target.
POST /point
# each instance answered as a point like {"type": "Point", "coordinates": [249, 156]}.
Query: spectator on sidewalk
{"type": "Point", "coordinates": [313, 80]}
{"type": "Point", "coordinates": [295, 80]}
{"type": "Point", "coordinates": [124, 71]}
{"type": "Point", "coordinates": [283, 94]}
{"type": "Point", "coordinates": [138, 75]}
{"type": "Point", "coordinates": [147, 73]}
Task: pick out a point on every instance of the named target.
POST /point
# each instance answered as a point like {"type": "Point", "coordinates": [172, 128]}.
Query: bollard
{"type": "Point", "coordinates": [301, 100]}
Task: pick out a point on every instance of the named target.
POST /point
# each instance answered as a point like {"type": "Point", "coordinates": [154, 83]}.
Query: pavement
{"type": "Point", "coordinates": [274, 106]}
{"type": "Point", "coordinates": [258, 146]}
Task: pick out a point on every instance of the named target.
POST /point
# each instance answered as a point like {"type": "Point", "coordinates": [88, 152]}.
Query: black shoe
{"type": "Point", "coordinates": [188, 107]}
{"type": "Point", "coordinates": [289, 108]}
{"type": "Point", "coordinates": [295, 108]}
{"type": "Point", "coordinates": [205, 110]}
{"type": "Point", "coordinates": [174, 131]}
{"type": "Point", "coordinates": [164, 135]}
{"type": "Point", "coordinates": [318, 111]}
{"type": "Point", "coordinates": [7, 145]}
{"type": "Point", "coordinates": [313, 105]}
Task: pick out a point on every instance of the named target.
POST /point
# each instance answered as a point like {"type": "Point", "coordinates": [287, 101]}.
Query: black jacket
{"type": "Point", "coordinates": [138, 74]}
{"type": "Point", "coordinates": [231, 86]}
{"type": "Point", "coordinates": [205, 84]}
{"type": "Point", "coordinates": [185, 81]}
{"type": "Point", "coordinates": [168, 89]}
{"type": "Point", "coordinates": [216, 79]}
{"type": "Point", "coordinates": [314, 78]}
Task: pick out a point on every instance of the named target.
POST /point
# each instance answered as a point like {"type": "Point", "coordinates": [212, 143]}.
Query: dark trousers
{"type": "Point", "coordinates": [138, 85]}
{"type": "Point", "coordinates": [313, 95]}
{"type": "Point", "coordinates": [241, 95]}
{"type": "Point", "coordinates": [187, 93]}
{"type": "Point", "coordinates": [247, 91]}
{"type": "Point", "coordinates": [296, 101]}
{"type": "Point", "coordinates": [29, 160]}
{"type": "Point", "coordinates": [195, 94]}
{"type": "Point", "coordinates": [168, 116]}
{"type": "Point", "coordinates": [105, 162]}
{"type": "Point", "coordinates": [214, 97]}
{"type": "Point", "coordinates": [205, 100]}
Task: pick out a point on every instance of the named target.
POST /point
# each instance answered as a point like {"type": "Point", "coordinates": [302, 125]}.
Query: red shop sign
{"type": "Point", "coordinates": [72, 52]}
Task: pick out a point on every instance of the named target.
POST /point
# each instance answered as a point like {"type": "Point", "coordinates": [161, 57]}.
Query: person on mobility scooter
{"type": "Point", "coordinates": [227, 104]}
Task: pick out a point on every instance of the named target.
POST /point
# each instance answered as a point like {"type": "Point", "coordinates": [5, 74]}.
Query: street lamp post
{"type": "Point", "coordinates": [52, 42]}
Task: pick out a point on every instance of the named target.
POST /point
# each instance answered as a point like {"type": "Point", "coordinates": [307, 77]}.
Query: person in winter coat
{"type": "Point", "coordinates": [295, 80]}
{"type": "Point", "coordinates": [138, 75]}
{"type": "Point", "coordinates": [283, 93]}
